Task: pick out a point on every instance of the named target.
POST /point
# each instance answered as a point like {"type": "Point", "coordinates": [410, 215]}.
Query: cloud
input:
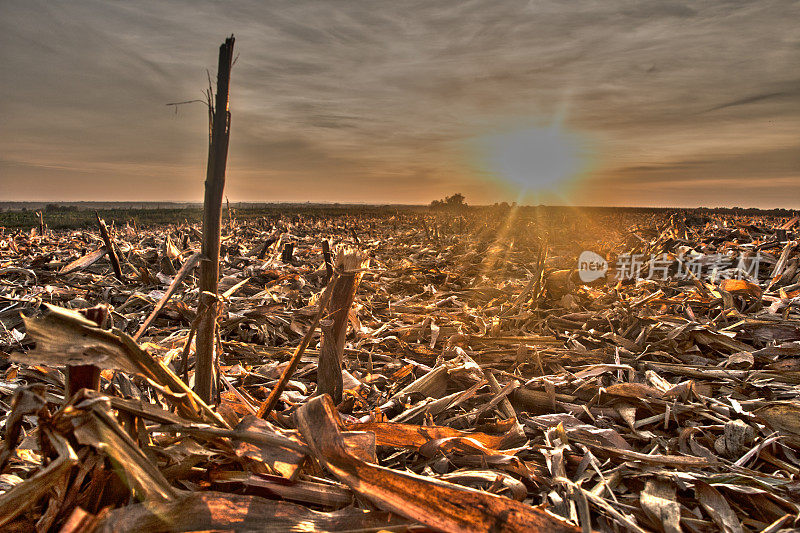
{"type": "Point", "coordinates": [758, 98]}
{"type": "Point", "coordinates": [760, 178]}
{"type": "Point", "coordinates": [378, 100]}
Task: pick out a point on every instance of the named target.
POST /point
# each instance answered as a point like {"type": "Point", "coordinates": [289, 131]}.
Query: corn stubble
{"type": "Point", "coordinates": [436, 370]}
{"type": "Point", "coordinates": [456, 378]}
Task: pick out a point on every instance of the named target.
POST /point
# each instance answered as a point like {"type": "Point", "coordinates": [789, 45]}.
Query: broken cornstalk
{"type": "Point", "coordinates": [87, 376]}
{"type": "Point", "coordinates": [326, 254]}
{"type": "Point", "coordinates": [42, 225]}
{"type": "Point", "coordinates": [288, 250]}
{"type": "Point", "coordinates": [350, 265]}
{"type": "Point", "coordinates": [219, 117]}
{"type": "Point", "coordinates": [112, 254]}
{"type": "Point", "coordinates": [272, 400]}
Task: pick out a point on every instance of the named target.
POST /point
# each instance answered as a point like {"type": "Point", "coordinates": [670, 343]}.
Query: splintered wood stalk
{"type": "Point", "coordinates": [219, 128]}
{"type": "Point", "coordinates": [349, 265]}
{"type": "Point", "coordinates": [326, 254]}
{"type": "Point", "coordinates": [288, 250]}
{"type": "Point", "coordinates": [110, 251]}
{"type": "Point", "coordinates": [42, 225]}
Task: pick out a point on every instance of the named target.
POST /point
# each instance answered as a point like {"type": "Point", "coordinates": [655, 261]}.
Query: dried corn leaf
{"type": "Point", "coordinates": [434, 503]}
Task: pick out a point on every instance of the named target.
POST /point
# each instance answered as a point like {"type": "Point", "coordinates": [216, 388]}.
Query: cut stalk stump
{"type": "Point", "coordinates": [349, 266]}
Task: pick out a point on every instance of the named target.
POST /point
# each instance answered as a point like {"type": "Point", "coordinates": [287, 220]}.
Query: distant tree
{"type": "Point", "coordinates": [454, 201]}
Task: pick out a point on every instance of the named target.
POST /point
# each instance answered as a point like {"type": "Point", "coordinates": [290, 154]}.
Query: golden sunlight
{"type": "Point", "coordinates": [534, 159]}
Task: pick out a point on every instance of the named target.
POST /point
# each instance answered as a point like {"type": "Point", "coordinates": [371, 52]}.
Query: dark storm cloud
{"type": "Point", "coordinates": [377, 100]}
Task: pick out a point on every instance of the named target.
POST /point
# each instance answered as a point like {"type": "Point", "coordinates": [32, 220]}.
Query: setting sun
{"type": "Point", "coordinates": [533, 159]}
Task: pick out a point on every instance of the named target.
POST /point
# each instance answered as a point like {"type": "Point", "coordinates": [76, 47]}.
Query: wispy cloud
{"type": "Point", "coordinates": [333, 100]}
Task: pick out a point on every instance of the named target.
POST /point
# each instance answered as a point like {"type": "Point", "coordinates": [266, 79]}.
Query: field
{"type": "Point", "coordinates": [656, 389]}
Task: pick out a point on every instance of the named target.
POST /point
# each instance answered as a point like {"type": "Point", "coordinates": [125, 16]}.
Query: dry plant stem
{"type": "Point", "coordinates": [267, 243]}
{"type": "Point", "coordinates": [185, 352]}
{"type": "Point", "coordinates": [329, 373]}
{"type": "Point", "coordinates": [86, 376]}
{"type": "Point", "coordinates": [329, 368]}
{"type": "Point", "coordinates": [288, 250]}
{"type": "Point", "coordinates": [62, 336]}
{"type": "Point", "coordinates": [272, 400]}
{"type": "Point", "coordinates": [326, 254]}
{"type": "Point", "coordinates": [212, 221]}
{"type": "Point", "coordinates": [179, 277]}
{"type": "Point", "coordinates": [208, 308]}
{"type": "Point", "coordinates": [112, 254]}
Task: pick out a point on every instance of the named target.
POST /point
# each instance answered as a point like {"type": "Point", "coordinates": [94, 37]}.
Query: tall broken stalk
{"type": "Point", "coordinates": [349, 265]}
{"type": "Point", "coordinates": [219, 132]}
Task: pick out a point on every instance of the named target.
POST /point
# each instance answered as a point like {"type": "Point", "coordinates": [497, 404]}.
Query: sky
{"type": "Point", "coordinates": [584, 102]}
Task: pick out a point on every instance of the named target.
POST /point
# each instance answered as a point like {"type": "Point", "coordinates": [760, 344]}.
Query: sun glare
{"type": "Point", "coordinates": [534, 159]}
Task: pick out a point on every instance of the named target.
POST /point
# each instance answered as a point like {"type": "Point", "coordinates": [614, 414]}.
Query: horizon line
{"type": "Point", "coordinates": [379, 204]}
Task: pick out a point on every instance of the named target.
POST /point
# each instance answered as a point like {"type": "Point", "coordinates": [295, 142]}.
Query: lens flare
{"type": "Point", "coordinates": [534, 159]}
